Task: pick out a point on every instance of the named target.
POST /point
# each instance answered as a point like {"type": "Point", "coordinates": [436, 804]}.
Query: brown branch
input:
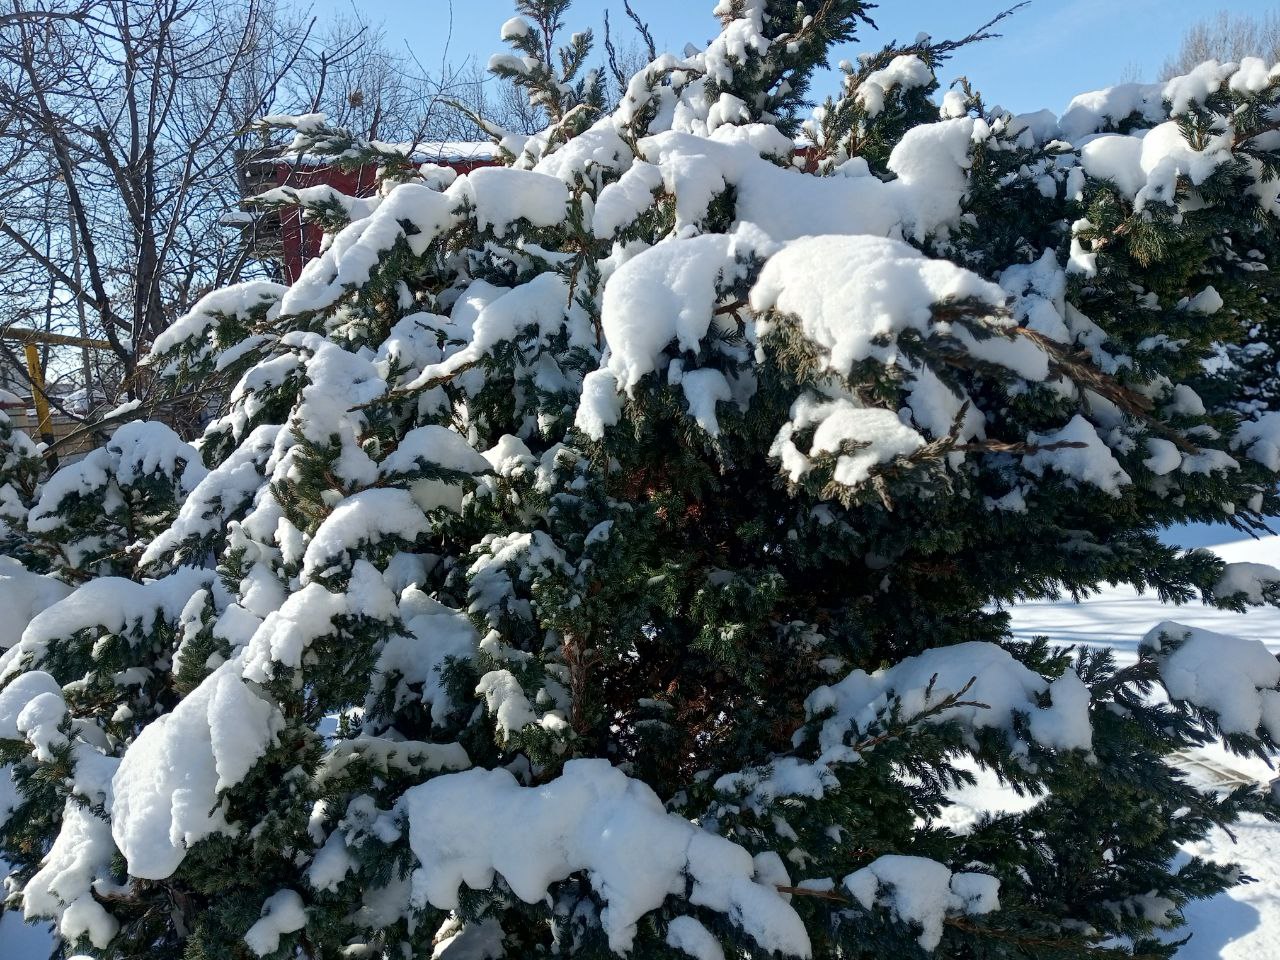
{"type": "Point", "coordinates": [728, 308]}
{"type": "Point", "coordinates": [1082, 372]}
{"type": "Point", "coordinates": [1240, 140]}
{"type": "Point", "coordinates": [1001, 446]}
{"type": "Point", "coordinates": [815, 894]}
{"type": "Point", "coordinates": [88, 298]}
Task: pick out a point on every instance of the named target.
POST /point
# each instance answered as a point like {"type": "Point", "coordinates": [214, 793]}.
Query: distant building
{"type": "Point", "coordinates": [285, 238]}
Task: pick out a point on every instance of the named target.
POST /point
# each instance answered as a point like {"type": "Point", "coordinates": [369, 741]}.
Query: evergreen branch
{"type": "Point", "coordinates": [1001, 446]}
{"type": "Point", "coordinates": [1081, 371]}
{"type": "Point", "coordinates": [815, 894]}
{"type": "Point", "coordinates": [1240, 138]}
{"type": "Point", "coordinates": [984, 32]}
{"type": "Point", "coordinates": [642, 28]}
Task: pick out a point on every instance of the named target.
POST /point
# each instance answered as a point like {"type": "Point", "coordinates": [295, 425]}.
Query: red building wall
{"type": "Point", "coordinates": [301, 240]}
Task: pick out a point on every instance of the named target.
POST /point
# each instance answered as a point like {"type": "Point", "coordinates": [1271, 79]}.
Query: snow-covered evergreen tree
{"type": "Point", "coordinates": [20, 469]}
{"type": "Point", "coordinates": [604, 553]}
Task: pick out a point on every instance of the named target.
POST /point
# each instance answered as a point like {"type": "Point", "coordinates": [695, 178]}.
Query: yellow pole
{"type": "Point", "coordinates": [44, 423]}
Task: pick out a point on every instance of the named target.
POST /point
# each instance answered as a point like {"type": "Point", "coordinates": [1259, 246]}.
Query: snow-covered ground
{"type": "Point", "coordinates": [1119, 616]}
{"type": "Point", "coordinates": [1241, 925]}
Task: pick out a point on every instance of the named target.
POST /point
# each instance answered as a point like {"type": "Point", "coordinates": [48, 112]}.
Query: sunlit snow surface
{"type": "Point", "coordinates": [1119, 616]}
{"type": "Point", "coordinates": [1241, 925]}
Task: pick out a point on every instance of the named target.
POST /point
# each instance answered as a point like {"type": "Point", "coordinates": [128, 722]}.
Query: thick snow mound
{"type": "Point", "coordinates": [19, 692]}
{"type": "Point", "coordinates": [883, 288]}
{"type": "Point", "coordinates": [1000, 686]}
{"type": "Point", "coordinates": [237, 301]}
{"type": "Point", "coordinates": [22, 596]}
{"type": "Point", "coordinates": [1089, 459]}
{"type": "Point", "coordinates": [666, 293]}
{"type": "Point", "coordinates": [412, 214]}
{"type": "Point", "coordinates": [114, 604]}
{"type": "Point", "coordinates": [873, 435]}
{"type": "Point", "coordinates": [62, 890]}
{"type": "Point", "coordinates": [923, 892]}
{"type": "Point", "coordinates": [167, 788]}
{"type": "Point", "coordinates": [466, 827]}
{"type": "Point", "coordinates": [1233, 677]}
{"type": "Point", "coordinates": [282, 913]}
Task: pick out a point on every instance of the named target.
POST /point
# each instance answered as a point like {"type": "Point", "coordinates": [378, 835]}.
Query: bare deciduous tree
{"type": "Point", "coordinates": [1226, 36]}
{"type": "Point", "coordinates": [118, 134]}
{"type": "Point", "coordinates": [124, 128]}
{"type": "Point", "coordinates": [124, 125]}
{"type": "Point", "coordinates": [499, 102]}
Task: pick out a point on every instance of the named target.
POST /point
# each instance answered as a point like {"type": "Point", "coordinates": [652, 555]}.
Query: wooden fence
{"type": "Point", "coordinates": [24, 418]}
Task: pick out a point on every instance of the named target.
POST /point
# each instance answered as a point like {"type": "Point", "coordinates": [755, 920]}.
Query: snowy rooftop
{"type": "Point", "coordinates": [428, 151]}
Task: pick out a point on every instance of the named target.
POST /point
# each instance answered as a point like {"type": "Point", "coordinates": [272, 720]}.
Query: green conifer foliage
{"type": "Point", "coordinates": [605, 553]}
{"type": "Point", "coordinates": [20, 470]}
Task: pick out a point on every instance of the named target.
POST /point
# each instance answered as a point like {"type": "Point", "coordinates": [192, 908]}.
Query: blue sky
{"type": "Point", "coordinates": [1049, 50]}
